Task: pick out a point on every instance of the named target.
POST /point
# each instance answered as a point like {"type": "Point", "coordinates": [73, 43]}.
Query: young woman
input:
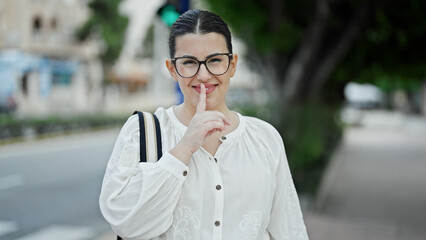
{"type": "Point", "coordinates": [222, 175]}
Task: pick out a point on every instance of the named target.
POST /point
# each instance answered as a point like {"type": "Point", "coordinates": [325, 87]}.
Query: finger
{"type": "Point", "coordinates": [212, 127]}
{"type": "Point", "coordinates": [214, 131]}
{"type": "Point", "coordinates": [201, 107]}
{"type": "Point", "coordinates": [217, 115]}
{"type": "Point", "coordinates": [227, 122]}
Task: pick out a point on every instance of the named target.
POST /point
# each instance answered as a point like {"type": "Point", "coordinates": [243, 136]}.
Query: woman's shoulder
{"type": "Point", "coordinates": [164, 115]}
{"type": "Point", "coordinates": [263, 130]}
{"type": "Point", "coordinates": [130, 127]}
{"type": "Point", "coordinates": [132, 122]}
{"type": "Point", "coordinates": [264, 134]}
{"type": "Point", "coordinates": [161, 112]}
{"type": "Point", "coordinates": [263, 126]}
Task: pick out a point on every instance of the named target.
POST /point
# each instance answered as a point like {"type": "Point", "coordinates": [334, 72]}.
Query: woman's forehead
{"type": "Point", "coordinates": [200, 45]}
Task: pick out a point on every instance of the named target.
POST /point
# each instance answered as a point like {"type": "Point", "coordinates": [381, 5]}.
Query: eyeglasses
{"type": "Point", "coordinates": [217, 64]}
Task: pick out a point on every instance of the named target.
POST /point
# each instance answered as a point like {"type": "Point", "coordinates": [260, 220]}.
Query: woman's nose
{"type": "Point", "coordinates": [203, 74]}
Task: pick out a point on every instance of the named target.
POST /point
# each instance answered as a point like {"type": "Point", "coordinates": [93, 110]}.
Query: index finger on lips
{"type": "Point", "coordinates": [201, 107]}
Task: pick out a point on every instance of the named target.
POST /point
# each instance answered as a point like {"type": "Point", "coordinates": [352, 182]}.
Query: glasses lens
{"type": "Point", "coordinates": [218, 65]}
{"type": "Point", "coordinates": [186, 67]}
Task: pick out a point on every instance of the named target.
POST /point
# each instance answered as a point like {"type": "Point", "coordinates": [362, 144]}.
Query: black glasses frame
{"type": "Point", "coordinates": [203, 62]}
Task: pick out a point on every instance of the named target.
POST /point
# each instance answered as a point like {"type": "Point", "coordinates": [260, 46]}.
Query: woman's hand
{"type": "Point", "coordinates": [203, 124]}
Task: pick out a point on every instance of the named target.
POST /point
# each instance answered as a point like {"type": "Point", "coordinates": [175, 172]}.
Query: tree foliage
{"type": "Point", "coordinates": [390, 50]}
{"type": "Point", "coordinates": [105, 22]}
{"type": "Point", "coordinates": [311, 44]}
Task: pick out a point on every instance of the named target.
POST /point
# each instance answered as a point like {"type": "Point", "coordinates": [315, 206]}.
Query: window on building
{"type": "Point", "coordinates": [37, 24]}
{"type": "Point", "coordinates": [37, 28]}
{"type": "Point", "coordinates": [24, 84]}
{"type": "Point", "coordinates": [61, 79]}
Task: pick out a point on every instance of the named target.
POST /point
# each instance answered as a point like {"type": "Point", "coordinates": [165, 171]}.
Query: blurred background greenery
{"type": "Point", "coordinates": [305, 51]}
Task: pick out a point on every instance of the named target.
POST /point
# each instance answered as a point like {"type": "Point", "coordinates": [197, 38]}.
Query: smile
{"type": "Point", "coordinates": [209, 88]}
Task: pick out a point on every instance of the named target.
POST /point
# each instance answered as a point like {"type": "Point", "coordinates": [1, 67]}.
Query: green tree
{"type": "Point", "coordinates": [305, 43]}
{"type": "Point", "coordinates": [390, 50]}
{"type": "Point", "coordinates": [106, 22]}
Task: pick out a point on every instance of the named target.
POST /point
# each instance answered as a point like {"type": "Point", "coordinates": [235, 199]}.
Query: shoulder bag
{"type": "Point", "coordinates": [149, 139]}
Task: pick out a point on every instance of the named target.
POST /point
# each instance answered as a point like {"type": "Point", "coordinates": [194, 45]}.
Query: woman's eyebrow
{"type": "Point", "coordinates": [188, 56]}
{"type": "Point", "coordinates": [214, 54]}
{"type": "Point", "coordinates": [211, 55]}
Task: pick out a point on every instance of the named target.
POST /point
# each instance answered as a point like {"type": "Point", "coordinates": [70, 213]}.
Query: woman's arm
{"type": "Point", "coordinates": [286, 216]}
{"type": "Point", "coordinates": [138, 199]}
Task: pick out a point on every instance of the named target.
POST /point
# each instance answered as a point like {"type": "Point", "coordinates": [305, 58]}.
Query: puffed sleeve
{"type": "Point", "coordinates": [286, 216]}
{"type": "Point", "coordinates": [138, 199]}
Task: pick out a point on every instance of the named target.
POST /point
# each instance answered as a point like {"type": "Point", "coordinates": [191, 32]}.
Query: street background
{"type": "Point", "coordinates": [344, 83]}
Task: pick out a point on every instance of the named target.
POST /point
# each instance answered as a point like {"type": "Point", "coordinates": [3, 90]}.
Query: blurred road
{"type": "Point", "coordinates": [375, 186]}
{"type": "Point", "coordinates": [49, 189]}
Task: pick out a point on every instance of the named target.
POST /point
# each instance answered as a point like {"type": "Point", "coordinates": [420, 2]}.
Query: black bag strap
{"type": "Point", "coordinates": [142, 138]}
{"type": "Point", "coordinates": [143, 125]}
{"type": "Point", "coordinates": [158, 134]}
{"type": "Point", "coordinates": [149, 121]}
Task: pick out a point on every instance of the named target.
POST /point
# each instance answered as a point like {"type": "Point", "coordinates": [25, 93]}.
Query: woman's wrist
{"type": "Point", "coordinates": [182, 152]}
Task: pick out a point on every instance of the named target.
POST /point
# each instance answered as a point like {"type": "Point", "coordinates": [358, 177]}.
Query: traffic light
{"type": "Point", "coordinates": [171, 10]}
{"type": "Point", "coordinates": [168, 14]}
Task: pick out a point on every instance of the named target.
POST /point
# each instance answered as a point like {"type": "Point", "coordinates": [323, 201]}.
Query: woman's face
{"type": "Point", "coordinates": [201, 46]}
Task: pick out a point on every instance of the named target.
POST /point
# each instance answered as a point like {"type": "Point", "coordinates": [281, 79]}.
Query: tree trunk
{"type": "Point", "coordinates": [309, 46]}
{"type": "Point", "coordinates": [335, 55]}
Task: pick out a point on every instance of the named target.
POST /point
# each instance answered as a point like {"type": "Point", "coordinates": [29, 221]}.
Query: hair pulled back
{"type": "Point", "coordinates": [198, 21]}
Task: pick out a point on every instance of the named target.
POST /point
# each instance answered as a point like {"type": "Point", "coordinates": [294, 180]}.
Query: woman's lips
{"type": "Point", "coordinates": [209, 88]}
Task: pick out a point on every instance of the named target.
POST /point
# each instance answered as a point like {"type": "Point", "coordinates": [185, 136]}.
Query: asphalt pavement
{"type": "Point", "coordinates": [49, 188]}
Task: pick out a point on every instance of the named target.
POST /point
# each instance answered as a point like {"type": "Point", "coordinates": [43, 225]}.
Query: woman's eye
{"type": "Point", "coordinates": [189, 62]}
{"type": "Point", "coordinates": [215, 60]}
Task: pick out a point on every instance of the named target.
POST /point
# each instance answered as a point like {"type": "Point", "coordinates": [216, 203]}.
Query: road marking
{"type": "Point", "coordinates": [61, 232]}
{"type": "Point", "coordinates": [11, 181]}
{"type": "Point", "coordinates": [7, 227]}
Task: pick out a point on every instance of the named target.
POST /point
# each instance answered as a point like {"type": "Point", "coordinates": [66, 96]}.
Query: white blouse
{"type": "Point", "coordinates": [244, 192]}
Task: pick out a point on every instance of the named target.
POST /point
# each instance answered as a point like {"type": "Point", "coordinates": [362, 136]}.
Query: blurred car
{"type": "Point", "coordinates": [364, 95]}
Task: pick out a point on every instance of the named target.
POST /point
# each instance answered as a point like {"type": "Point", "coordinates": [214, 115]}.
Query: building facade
{"type": "Point", "coordinates": [43, 69]}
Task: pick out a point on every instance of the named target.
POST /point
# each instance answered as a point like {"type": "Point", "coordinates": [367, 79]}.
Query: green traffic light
{"type": "Point", "coordinates": [169, 15]}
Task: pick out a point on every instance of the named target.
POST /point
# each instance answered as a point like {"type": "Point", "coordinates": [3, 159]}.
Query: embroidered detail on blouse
{"type": "Point", "coordinates": [250, 225]}
{"type": "Point", "coordinates": [184, 222]}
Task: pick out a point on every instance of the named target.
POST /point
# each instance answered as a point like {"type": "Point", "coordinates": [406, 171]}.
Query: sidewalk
{"type": "Point", "coordinates": [375, 186]}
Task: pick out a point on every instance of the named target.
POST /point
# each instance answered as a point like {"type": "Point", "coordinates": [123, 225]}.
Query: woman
{"type": "Point", "coordinates": [222, 175]}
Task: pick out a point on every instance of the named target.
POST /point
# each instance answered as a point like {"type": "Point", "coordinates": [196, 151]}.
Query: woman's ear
{"type": "Point", "coordinates": [233, 65]}
{"type": "Point", "coordinates": [172, 70]}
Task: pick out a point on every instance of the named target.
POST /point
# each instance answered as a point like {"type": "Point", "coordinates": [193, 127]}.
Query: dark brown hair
{"type": "Point", "coordinates": [198, 21]}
